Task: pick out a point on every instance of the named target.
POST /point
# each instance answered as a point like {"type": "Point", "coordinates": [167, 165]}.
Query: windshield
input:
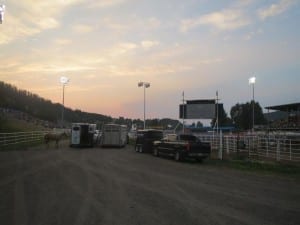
{"type": "Point", "coordinates": [189, 138]}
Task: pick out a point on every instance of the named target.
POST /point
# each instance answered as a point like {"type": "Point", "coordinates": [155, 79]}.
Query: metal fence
{"type": "Point", "coordinates": [255, 147]}
{"type": "Point", "coordinates": [16, 138]}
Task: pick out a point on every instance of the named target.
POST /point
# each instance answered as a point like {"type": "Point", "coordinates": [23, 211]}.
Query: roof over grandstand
{"type": "Point", "coordinates": [285, 108]}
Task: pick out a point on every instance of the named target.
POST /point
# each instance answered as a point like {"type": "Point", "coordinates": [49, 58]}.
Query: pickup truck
{"type": "Point", "coordinates": [181, 147]}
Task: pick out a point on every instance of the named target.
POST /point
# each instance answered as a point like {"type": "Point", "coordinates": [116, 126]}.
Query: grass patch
{"type": "Point", "coordinates": [10, 124]}
{"type": "Point", "coordinates": [258, 166]}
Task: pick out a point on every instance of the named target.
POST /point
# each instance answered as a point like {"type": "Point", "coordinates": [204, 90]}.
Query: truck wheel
{"type": "Point", "coordinates": [155, 152]}
{"type": "Point", "coordinates": [177, 156]}
{"type": "Point", "coordinates": [141, 149]}
{"type": "Point", "coordinates": [200, 160]}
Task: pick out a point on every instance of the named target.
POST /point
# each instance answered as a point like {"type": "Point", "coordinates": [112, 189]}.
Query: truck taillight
{"type": "Point", "coordinates": [187, 146]}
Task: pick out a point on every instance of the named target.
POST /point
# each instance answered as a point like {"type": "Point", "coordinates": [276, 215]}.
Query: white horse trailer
{"type": "Point", "coordinates": [114, 135]}
{"type": "Point", "coordinates": [82, 134]}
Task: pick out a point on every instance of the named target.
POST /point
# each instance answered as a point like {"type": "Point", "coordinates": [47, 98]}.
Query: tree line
{"type": "Point", "coordinates": [21, 100]}
{"type": "Point", "coordinates": [241, 116]}
{"type": "Point", "coordinates": [13, 98]}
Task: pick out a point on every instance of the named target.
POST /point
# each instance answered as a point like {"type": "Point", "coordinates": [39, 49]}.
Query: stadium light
{"type": "Point", "coordinates": [145, 85]}
{"type": "Point", "coordinates": [63, 81]}
{"type": "Point", "coordinates": [252, 81]}
{"type": "Point", "coordinates": [2, 9]}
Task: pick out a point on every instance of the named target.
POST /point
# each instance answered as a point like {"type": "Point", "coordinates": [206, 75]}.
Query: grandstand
{"type": "Point", "coordinates": [285, 117]}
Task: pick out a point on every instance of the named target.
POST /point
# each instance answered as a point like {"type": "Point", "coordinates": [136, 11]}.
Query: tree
{"type": "Point", "coordinates": [199, 124]}
{"type": "Point", "coordinates": [223, 119]}
{"type": "Point", "coordinates": [241, 114]}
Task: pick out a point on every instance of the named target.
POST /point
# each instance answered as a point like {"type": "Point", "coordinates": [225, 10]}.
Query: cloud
{"type": "Point", "coordinates": [252, 34]}
{"type": "Point", "coordinates": [105, 3]}
{"type": "Point", "coordinates": [130, 24]}
{"type": "Point", "coordinates": [222, 20]}
{"type": "Point", "coordinates": [149, 44]}
{"type": "Point", "coordinates": [275, 9]}
{"type": "Point", "coordinates": [66, 68]}
{"type": "Point", "coordinates": [27, 18]}
{"type": "Point", "coordinates": [16, 29]}
{"type": "Point", "coordinates": [46, 68]}
{"type": "Point", "coordinates": [153, 22]}
{"type": "Point", "coordinates": [47, 23]}
{"type": "Point", "coordinates": [82, 28]}
{"type": "Point", "coordinates": [113, 25]}
{"type": "Point", "coordinates": [62, 41]}
{"type": "Point", "coordinates": [122, 48]}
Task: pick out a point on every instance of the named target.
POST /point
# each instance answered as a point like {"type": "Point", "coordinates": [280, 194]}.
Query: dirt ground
{"type": "Point", "coordinates": [50, 186]}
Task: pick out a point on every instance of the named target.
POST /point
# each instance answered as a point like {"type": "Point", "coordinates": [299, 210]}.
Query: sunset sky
{"type": "Point", "coordinates": [106, 47]}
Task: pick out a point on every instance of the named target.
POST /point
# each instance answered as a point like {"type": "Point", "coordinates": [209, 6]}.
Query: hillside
{"type": "Point", "coordinates": [21, 110]}
{"type": "Point", "coordinates": [23, 105]}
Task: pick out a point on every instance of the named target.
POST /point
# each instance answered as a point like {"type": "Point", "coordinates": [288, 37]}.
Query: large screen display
{"type": "Point", "coordinates": [198, 109]}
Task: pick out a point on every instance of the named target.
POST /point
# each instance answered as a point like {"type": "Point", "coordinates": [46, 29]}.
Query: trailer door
{"type": "Point", "coordinates": [75, 135]}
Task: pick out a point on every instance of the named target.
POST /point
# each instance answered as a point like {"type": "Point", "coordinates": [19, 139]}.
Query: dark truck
{"type": "Point", "coordinates": [181, 147]}
{"type": "Point", "coordinates": [145, 139]}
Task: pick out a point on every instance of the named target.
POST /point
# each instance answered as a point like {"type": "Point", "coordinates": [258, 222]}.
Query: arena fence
{"type": "Point", "coordinates": [8, 140]}
{"type": "Point", "coordinates": [279, 148]}
{"type": "Point", "coordinates": [18, 138]}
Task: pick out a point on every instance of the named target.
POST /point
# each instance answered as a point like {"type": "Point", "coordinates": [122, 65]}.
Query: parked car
{"type": "Point", "coordinates": [145, 139]}
{"type": "Point", "coordinates": [182, 146]}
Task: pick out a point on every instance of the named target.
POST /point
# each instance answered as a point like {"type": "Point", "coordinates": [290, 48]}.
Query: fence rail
{"type": "Point", "coordinates": [8, 139]}
{"type": "Point", "coordinates": [257, 147]}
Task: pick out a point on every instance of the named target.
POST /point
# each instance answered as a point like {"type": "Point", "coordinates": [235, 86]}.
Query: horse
{"type": "Point", "coordinates": [54, 137]}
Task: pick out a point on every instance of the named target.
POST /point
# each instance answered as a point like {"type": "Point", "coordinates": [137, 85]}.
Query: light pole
{"type": "Point", "coordinates": [2, 9]}
{"type": "Point", "coordinates": [63, 81]}
{"type": "Point", "coordinates": [252, 82]}
{"type": "Point", "coordinates": [145, 85]}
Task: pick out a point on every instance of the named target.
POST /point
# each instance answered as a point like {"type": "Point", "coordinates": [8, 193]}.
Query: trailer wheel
{"type": "Point", "coordinates": [177, 156]}
{"type": "Point", "coordinates": [141, 149]}
{"type": "Point", "coordinates": [156, 152]}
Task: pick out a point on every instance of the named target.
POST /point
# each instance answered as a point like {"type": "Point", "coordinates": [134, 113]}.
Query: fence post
{"type": "Point", "coordinates": [237, 146]}
{"type": "Point", "coordinates": [221, 146]}
{"type": "Point", "coordinates": [227, 145]}
{"type": "Point", "coordinates": [278, 151]}
{"type": "Point", "coordinates": [290, 150]}
{"type": "Point", "coordinates": [249, 147]}
{"type": "Point", "coordinates": [267, 141]}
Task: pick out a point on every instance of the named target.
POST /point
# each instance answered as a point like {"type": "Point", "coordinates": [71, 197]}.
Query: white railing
{"type": "Point", "coordinates": [7, 139]}
{"type": "Point", "coordinates": [261, 147]}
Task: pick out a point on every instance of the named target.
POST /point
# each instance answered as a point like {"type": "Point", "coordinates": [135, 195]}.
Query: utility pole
{"type": "Point", "coordinates": [183, 115]}
{"type": "Point", "coordinates": [217, 120]}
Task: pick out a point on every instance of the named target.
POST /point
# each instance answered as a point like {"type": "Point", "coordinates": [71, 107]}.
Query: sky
{"type": "Point", "coordinates": [105, 47]}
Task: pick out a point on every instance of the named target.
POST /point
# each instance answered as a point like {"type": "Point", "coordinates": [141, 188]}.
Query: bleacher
{"type": "Point", "coordinates": [285, 117]}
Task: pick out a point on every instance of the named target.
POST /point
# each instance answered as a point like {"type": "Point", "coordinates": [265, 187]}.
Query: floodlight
{"type": "Point", "coordinates": [2, 8]}
{"type": "Point", "coordinates": [252, 80]}
{"type": "Point", "coordinates": [145, 85]}
{"type": "Point", "coordinates": [64, 80]}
